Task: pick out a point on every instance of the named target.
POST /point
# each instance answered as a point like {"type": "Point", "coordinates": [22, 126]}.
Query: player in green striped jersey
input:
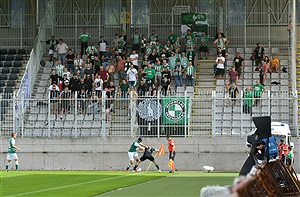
{"type": "Point", "coordinates": [133, 155]}
{"type": "Point", "coordinates": [11, 153]}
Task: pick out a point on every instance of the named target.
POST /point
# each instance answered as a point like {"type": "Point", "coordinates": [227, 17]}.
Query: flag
{"type": "Point", "coordinates": [161, 150]}
{"type": "Point", "coordinates": [175, 110]}
{"type": "Point", "coordinates": [170, 164]}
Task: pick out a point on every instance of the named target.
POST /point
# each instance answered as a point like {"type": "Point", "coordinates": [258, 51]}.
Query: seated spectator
{"type": "Point", "coordinates": [233, 92]}
{"type": "Point", "coordinates": [93, 103]}
{"type": "Point", "coordinates": [232, 77]}
{"type": "Point", "coordinates": [142, 88]}
{"type": "Point", "coordinates": [263, 70]}
{"type": "Point", "coordinates": [274, 64]}
{"type": "Point", "coordinates": [166, 87]}
{"type": "Point", "coordinates": [67, 73]}
{"type": "Point", "coordinates": [64, 82]}
{"type": "Point", "coordinates": [110, 90]}
{"type": "Point", "coordinates": [220, 66]}
{"type": "Point", "coordinates": [78, 63]}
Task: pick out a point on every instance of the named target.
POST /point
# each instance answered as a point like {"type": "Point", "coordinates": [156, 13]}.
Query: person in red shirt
{"type": "Point", "coordinates": [104, 75]}
{"type": "Point", "coordinates": [172, 153]}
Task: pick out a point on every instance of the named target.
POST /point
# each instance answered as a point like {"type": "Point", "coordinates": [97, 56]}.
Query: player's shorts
{"type": "Point", "coordinates": [133, 155]}
{"type": "Point", "coordinates": [12, 156]}
{"type": "Point", "coordinates": [203, 49]}
{"type": "Point", "coordinates": [170, 155]}
{"type": "Point", "coordinates": [144, 157]}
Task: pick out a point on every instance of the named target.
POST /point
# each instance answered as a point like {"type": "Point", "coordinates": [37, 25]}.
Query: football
{"type": "Point", "coordinates": [139, 169]}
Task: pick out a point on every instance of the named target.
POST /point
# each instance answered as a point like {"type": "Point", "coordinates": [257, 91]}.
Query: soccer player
{"type": "Point", "coordinates": [133, 155]}
{"type": "Point", "coordinates": [11, 153]}
{"type": "Point", "coordinates": [172, 153]}
{"type": "Point", "coordinates": [148, 155]}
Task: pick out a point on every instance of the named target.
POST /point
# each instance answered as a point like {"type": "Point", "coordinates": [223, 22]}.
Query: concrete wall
{"type": "Point", "coordinates": [225, 154]}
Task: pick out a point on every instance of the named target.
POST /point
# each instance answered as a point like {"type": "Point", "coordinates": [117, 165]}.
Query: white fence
{"type": "Point", "coordinates": [182, 116]}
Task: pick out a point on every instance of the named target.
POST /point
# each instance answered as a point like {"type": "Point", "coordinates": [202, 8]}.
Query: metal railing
{"type": "Point", "coordinates": [207, 113]}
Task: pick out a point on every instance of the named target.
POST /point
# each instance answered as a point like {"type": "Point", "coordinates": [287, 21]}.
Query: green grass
{"type": "Point", "coordinates": [105, 183]}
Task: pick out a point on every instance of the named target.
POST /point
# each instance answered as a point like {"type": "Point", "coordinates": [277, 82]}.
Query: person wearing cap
{"type": "Point", "coordinates": [133, 155]}
{"type": "Point", "coordinates": [258, 54]}
{"type": "Point", "coordinates": [102, 44]}
{"type": "Point", "coordinates": [84, 38]}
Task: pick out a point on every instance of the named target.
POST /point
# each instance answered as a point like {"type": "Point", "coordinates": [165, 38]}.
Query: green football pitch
{"type": "Point", "coordinates": [109, 183]}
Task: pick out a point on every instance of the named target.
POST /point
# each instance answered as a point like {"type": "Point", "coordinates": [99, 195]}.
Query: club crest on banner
{"type": "Point", "coordinates": [149, 109]}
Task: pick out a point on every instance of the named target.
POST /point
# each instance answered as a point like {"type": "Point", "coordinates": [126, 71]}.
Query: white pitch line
{"type": "Point", "coordinates": [72, 185]}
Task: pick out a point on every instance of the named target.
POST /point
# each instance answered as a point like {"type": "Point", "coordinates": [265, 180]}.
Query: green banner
{"type": "Point", "coordinates": [193, 18]}
{"type": "Point", "coordinates": [174, 110]}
